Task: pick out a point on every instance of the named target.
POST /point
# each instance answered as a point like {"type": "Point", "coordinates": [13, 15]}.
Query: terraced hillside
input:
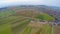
{"type": "Point", "coordinates": [25, 21]}
{"type": "Point", "coordinates": [13, 23]}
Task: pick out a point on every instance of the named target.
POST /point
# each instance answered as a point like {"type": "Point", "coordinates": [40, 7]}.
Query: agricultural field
{"type": "Point", "coordinates": [13, 23]}
{"type": "Point", "coordinates": [19, 22]}
{"type": "Point", "coordinates": [5, 29]}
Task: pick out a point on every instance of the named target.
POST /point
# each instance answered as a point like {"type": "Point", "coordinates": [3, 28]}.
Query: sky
{"type": "Point", "coordinates": [4, 3]}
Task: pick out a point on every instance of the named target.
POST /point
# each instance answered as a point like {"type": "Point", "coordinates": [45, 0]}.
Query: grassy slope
{"type": "Point", "coordinates": [35, 30]}
{"type": "Point", "coordinates": [9, 19]}
{"type": "Point", "coordinates": [27, 30]}
{"type": "Point", "coordinates": [12, 20]}
{"type": "Point", "coordinates": [5, 29]}
{"type": "Point", "coordinates": [46, 29]}
{"type": "Point", "coordinates": [44, 17]}
{"type": "Point", "coordinates": [22, 23]}
{"type": "Point", "coordinates": [6, 13]}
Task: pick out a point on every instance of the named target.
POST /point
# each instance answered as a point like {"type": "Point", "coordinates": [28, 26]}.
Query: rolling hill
{"type": "Point", "coordinates": [29, 19]}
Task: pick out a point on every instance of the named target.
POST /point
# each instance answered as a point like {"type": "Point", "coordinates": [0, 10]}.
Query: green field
{"type": "Point", "coordinates": [12, 20]}
{"type": "Point", "coordinates": [5, 29]}
{"type": "Point", "coordinates": [27, 30]}
{"type": "Point", "coordinates": [6, 13]}
{"type": "Point", "coordinates": [46, 29]}
{"type": "Point", "coordinates": [44, 17]}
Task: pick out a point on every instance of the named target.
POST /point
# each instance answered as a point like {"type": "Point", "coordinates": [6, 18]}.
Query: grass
{"type": "Point", "coordinates": [10, 19]}
{"type": "Point", "coordinates": [27, 30]}
{"type": "Point", "coordinates": [5, 29]}
{"type": "Point", "coordinates": [35, 30]}
{"type": "Point", "coordinates": [6, 13]}
{"type": "Point", "coordinates": [46, 29]}
{"type": "Point", "coordinates": [7, 22]}
{"type": "Point", "coordinates": [22, 24]}
{"type": "Point", "coordinates": [44, 17]}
